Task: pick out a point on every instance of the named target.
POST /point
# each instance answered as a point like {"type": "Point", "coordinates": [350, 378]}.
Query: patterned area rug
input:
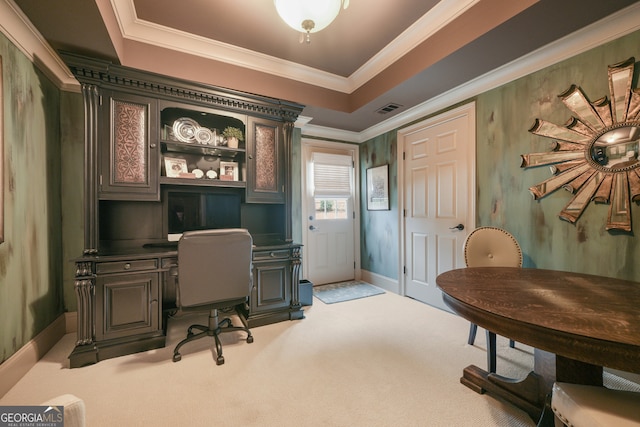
{"type": "Point", "coordinates": [345, 291]}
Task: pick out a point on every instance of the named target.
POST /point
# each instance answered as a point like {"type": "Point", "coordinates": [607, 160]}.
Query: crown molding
{"type": "Point", "coordinates": [331, 133]}
{"type": "Point", "coordinates": [139, 30]}
{"type": "Point", "coordinates": [133, 28]}
{"type": "Point", "coordinates": [608, 29]}
{"type": "Point", "coordinates": [429, 24]}
{"type": "Point", "coordinates": [21, 32]}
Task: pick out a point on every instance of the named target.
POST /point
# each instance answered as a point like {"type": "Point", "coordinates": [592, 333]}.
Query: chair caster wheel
{"type": "Point", "coordinates": [220, 360]}
{"type": "Point", "coordinates": [177, 357]}
{"type": "Point", "coordinates": [250, 339]}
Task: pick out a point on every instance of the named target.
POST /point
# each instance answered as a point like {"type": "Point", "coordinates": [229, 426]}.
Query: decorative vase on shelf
{"type": "Point", "coordinates": [232, 135]}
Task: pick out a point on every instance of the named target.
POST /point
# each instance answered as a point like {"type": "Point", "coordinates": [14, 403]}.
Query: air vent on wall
{"type": "Point", "coordinates": [388, 108]}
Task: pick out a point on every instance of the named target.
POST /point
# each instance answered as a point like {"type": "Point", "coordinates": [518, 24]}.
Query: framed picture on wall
{"type": "Point", "coordinates": [378, 188]}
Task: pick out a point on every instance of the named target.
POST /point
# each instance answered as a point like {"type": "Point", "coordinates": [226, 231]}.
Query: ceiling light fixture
{"type": "Point", "coordinates": [309, 16]}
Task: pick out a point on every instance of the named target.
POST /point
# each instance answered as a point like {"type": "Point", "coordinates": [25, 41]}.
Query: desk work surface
{"type": "Point", "coordinates": [550, 310]}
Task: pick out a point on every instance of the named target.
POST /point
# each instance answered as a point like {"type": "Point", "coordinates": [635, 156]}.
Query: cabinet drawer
{"type": "Point", "coordinates": [125, 266]}
{"type": "Point", "coordinates": [169, 262]}
{"type": "Point", "coordinates": [266, 255]}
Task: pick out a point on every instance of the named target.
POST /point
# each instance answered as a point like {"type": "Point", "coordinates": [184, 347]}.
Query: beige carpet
{"type": "Point", "coordinates": [382, 361]}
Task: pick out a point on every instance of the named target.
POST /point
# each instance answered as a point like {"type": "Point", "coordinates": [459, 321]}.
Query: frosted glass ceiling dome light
{"type": "Point", "coordinates": [309, 16]}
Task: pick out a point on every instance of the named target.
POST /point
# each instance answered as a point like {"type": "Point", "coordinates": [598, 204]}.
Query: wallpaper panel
{"type": "Point", "coordinates": [31, 294]}
{"type": "Point", "coordinates": [504, 116]}
{"type": "Point", "coordinates": [379, 229]}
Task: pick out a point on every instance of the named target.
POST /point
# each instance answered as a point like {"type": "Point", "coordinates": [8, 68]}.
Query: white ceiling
{"type": "Point", "coordinates": [375, 53]}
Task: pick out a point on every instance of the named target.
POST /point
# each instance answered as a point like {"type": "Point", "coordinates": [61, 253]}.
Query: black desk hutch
{"type": "Point", "coordinates": [148, 139]}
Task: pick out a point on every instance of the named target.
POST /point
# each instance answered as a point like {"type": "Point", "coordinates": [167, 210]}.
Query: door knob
{"type": "Point", "coordinates": [312, 228]}
{"type": "Point", "coordinates": [457, 227]}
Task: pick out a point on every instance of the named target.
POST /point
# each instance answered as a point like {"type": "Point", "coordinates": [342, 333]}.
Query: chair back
{"type": "Point", "coordinates": [214, 266]}
{"type": "Point", "coordinates": [492, 247]}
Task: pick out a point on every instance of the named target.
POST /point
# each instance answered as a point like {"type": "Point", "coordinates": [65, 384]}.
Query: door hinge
{"type": "Point", "coordinates": [354, 265]}
{"type": "Point", "coordinates": [403, 155]}
{"type": "Point", "coordinates": [354, 214]}
{"type": "Point", "coordinates": [404, 269]}
{"type": "Point", "coordinates": [404, 213]}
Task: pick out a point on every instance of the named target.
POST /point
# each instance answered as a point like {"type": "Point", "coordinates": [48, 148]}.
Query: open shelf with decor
{"type": "Point", "coordinates": [197, 148]}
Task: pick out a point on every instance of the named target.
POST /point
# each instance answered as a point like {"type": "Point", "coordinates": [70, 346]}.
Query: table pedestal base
{"type": "Point", "coordinates": [524, 394]}
{"type": "Point", "coordinates": [533, 393]}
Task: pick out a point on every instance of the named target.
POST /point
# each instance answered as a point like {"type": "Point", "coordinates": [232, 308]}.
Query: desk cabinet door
{"type": "Point", "coordinates": [265, 171]}
{"type": "Point", "coordinates": [129, 157]}
{"type": "Point", "coordinates": [271, 286]}
{"type": "Point", "coordinates": [127, 304]}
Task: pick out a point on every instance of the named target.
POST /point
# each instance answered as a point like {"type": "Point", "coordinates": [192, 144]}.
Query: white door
{"type": "Point", "coordinates": [329, 250]}
{"type": "Point", "coordinates": [439, 183]}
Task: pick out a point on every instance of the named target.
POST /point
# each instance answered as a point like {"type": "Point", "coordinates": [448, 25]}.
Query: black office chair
{"type": "Point", "coordinates": [491, 247]}
{"type": "Point", "coordinates": [214, 273]}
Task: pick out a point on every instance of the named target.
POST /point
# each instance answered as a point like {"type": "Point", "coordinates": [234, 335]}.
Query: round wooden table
{"type": "Point", "coordinates": [577, 323]}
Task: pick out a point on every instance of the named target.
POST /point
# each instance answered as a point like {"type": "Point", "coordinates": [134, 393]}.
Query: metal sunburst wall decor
{"type": "Point", "coordinates": [595, 155]}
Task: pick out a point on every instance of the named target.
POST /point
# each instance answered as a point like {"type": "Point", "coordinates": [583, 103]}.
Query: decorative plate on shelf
{"type": "Point", "coordinates": [185, 129]}
{"type": "Point", "coordinates": [198, 173]}
{"type": "Point", "coordinates": [204, 136]}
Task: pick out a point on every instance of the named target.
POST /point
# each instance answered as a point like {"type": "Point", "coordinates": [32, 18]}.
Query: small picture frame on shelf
{"type": "Point", "coordinates": [229, 171]}
{"type": "Point", "coordinates": [175, 167]}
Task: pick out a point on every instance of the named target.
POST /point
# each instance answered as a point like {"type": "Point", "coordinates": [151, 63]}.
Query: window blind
{"type": "Point", "coordinates": [331, 175]}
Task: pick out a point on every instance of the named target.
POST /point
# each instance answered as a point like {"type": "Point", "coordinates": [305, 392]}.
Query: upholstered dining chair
{"type": "Point", "coordinates": [214, 274]}
{"type": "Point", "coordinates": [491, 247]}
{"type": "Point", "coordinates": [586, 405]}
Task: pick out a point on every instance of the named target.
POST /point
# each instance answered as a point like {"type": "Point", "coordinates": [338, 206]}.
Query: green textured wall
{"type": "Point", "coordinates": [31, 293]}
{"type": "Point", "coordinates": [504, 116]}
{"type": "Point", "coordinates": [379, 236]}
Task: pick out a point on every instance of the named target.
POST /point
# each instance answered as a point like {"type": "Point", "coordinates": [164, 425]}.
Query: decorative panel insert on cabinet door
{"type": "Point", "coordinates": [266, 162]}
{"type": "Point", "coordinates": [129, 160]}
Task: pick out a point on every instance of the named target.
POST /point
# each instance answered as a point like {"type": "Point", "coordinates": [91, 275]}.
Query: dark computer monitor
{"type": "Point", "coordinates": [187, 211]}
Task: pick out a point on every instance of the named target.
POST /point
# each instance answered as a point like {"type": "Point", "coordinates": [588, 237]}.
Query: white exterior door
{"type": "Point", "coordinates": [329, 219]}
{"type": "Point", "coordinates": [439, 183]}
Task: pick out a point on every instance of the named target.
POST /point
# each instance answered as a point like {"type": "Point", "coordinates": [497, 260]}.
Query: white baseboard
{"type": "Point", "coordinates": [15, 367]}
{"type": "Point", "coordinates": [386, 283]}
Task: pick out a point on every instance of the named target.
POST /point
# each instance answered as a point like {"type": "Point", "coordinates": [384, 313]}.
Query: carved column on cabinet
{"type": "Point", "coordinates": [296, 261]}
{"type": "Point", "coordinates": [288, 156]}
{"type": "Point", "coordinates": [85, 291]}
{"type": "Point", "coordinates": [91, 106]}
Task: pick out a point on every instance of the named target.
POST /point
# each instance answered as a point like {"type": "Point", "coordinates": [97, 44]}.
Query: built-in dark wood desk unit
{"type": "Point", "coordinates": [156, 165]}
